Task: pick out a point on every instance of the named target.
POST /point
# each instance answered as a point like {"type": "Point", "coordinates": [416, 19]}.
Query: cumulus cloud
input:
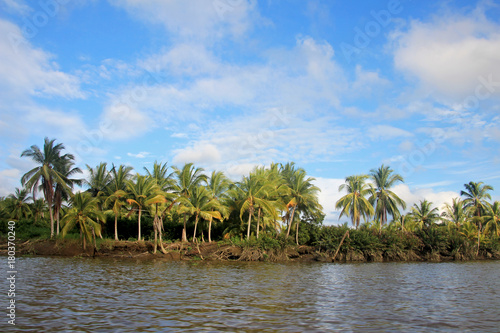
{"type": "Point", "coordinates": [450, 54]}
{"type": "Point", "coordinates": [200, 153]}
{"type": "Point", "coordinates": [124, 122]}
{"type": "Point", "coordinates": [142, 154]}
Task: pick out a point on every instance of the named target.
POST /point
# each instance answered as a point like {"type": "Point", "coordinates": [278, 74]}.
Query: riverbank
{"type": "Point", "coordinates": [222, 251]}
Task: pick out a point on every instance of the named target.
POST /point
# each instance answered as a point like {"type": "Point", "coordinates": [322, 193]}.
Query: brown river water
{"type": "Point", "coordinates": [109, 295]}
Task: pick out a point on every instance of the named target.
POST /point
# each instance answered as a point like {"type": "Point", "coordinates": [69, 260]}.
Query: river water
{"type": "Point", "coordinates": [109, 295]}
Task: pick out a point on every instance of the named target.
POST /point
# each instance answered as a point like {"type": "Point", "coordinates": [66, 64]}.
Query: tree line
{"type": "Point", "coordinates": [272, 201]}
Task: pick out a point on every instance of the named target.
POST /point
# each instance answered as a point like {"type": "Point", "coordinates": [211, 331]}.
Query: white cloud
{"type": "Point", "coordinates": [9, 179]}
{"type": "Point", "coordinates": [25, 70]}
{"type": "Point", "coordinates": [386, 132]}
{"type": "Point", "coordinates": [449, 54]}
{"type": "Point", "coordinates": [200, 153]}
{"type": "Point", "coordinates": [125, 122]}
{"type": "Point", "coordinates": [198, 19]}
{"type": "Point", "coordinates": [414, 196]}
{"type": "Point", "coordinates": [142, 154]}
{"type": "Point", "coordinates": [328, 196]}
{"type": "Point", "coordinates": [16, 6]}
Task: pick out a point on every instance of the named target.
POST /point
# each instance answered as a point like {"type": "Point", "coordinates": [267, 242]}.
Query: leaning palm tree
{"type": "Point", "coordinates": [17, 204]}
{"type": "Point", "coordinates": [492, 219]}
{"type": "Point", "coordinates": [385, 201]}
{"type": "Point", "coordinates": [201, 204]}
{"type": "Point", "coordinates": [45, 173]}
{"type": "Point", "coordinates": [187, 180]}
{"type": "Point", "coordinates": [354, 203]}
{"type": "Point", "coordinates": [475, 204]}
{"type": "Point", "coordinates": [423, 214]}
{"type": "Point", "coordinates": [83, 212]}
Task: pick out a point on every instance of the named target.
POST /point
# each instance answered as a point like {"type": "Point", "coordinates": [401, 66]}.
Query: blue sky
{"type": "Point", "coordinates": [338, 87]}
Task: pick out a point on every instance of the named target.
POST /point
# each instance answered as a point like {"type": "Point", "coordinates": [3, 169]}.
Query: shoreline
{"type": "Point", "coordinates": [218, 251]}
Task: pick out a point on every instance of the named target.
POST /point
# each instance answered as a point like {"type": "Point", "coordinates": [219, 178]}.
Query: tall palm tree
{"type": "Point", "coordinates": [354, 203]}
{"type": "Point", "coordinates": [423, 214]}
{"type": "Point", "coordinates": [17, 204]}
{"type": "Point", "coordinates": [201, 204]}
{"type": "Point", "coordinates": [218, 185]}
{"type": "Point", "coordinates": [62, 192]}
{"type": "Point", "coordinates": [475, 204]}
{"type": "Point", "coordinates": [254, 193]}
{"type": "Point", "coordinates": [454, 214]}
{"type": "Point", "coordinates": [385, 201]}
{"type": "Point", "coordinates": [492, 219]}
{"type": "Point", "coordinates": [45, 173]}
{"type": "Point", "coordinates": [83, 212]}
{"type": "Point", "coordinates": [99, 180]}
{"type": "Point", "coordinates": [115, 191]}
{"type": "Point", "coordinates": [187, 180]}
{"type": "Point", "coordinates": [140, 191]}
{"type": "Point", "coordinates": [304, 197]}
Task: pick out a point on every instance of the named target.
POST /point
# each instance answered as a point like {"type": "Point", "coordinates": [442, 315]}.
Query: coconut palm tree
{"type": "Point", "coordinates": [254, 193]}
{"type": "Point", "coordinates": [141, 189]}
{"type": "Point", "coordinates": [385, 201]}
{"type": "Point", "coordinates": [99, 180]}
{"type": "Point", "coordinates": [354, 203]}
{"type": "Point", "coordinates": [17, 204]}
{"type": "Point", "coordinates": [201, 204]}
{"type": "Point", "coordinates": [423, 214]}
{"type": "Point", "coordinates": [45, 173]}
{"type": "Point", "coordinates": [187, 180]}
{"type": "Point", "coordinates": [38, 209]}
{"type": "Point", "coordinates": [475, 204]}
{"type": "Point", "coordinates": [304, 197]}
{"type": "Point", "coordinates": [492, 219]}
{"type": "Point", "coordinates": [62, 192]}
{"type": "Point", "coordinates": [84, 212]}
{"type": "Point", "coordinates": [454, 214]}
{"type": "Point", "coordinates": [218, 185]}
{"type": "Point", "coordinates": [115, 191]}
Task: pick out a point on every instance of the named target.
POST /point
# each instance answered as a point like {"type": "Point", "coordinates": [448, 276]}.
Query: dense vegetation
{"type": "Point", "coordinates": [271, 208]}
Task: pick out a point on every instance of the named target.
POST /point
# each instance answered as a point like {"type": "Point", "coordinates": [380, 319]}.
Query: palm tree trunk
{"type": "Point", "coordinates": [51, 222]}
{"type": "Point", "coordinates": [184, 236]}
{"type": "Point", "coordinates": [297, 232]}
{"type": "Point", "coordinates": [249, 222]}
{"type": "Point", "coordinates": [210, 230]}
{"type": "Point", "coordinates": [116, 227]}
{"type": "Point", "coordinates": [195, 225]}
{"type": "Point", "coordinates": [478, 238]}
{"type": "Point", "coordinates": [290, 221]}
{"type": "Point", "coordinates": [155, 227]}
{"type": "Point", "coordinates": [258, 223]}
{"type": "Point", "coordinates": [139, 237]}
{"type": "Point", "coordinates": [57, 219]}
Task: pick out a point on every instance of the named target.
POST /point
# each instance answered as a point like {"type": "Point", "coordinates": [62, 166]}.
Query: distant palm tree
{"type": "Point", "coordinates": [45, 173]}
{"type": "Point", "coordinates": [62, 192]}
{"type": "Point", "coordinates": [38, 209]}
{"type": "Point", "coordinates": [140, 191]}
{"type": "Point", "coordinates": [492, 219]}
{"type": "Point", "coordinates": [304, 197]}
{"type": "Point", "coordinates": [83, 212]}
{"type": "Point", "coordinates": [254, 193]}
{"type": "Point", "coordinates": [354, 203]}
{"type": "Point", "coordinates": [17, 204]}
{"type": "Point", "coordinates": [454, 213]}
{"type": "Point", "coordinates": [187, 180]}
{"type": "Point", "coordinates": [423, 214]}
{"type": "Point", "coordinates": [475, 204]}
{"type": "Point", "coordinates": [385, 201]}
{"type": "Point", "coordinates": [201, 204]}
{"type": "Point", "coordinates": [218, 185]}
{"type": "Point", "coordinates": [115, 191]}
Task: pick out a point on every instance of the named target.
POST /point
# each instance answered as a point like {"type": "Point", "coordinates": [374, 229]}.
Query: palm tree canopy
{"type": "Point", "coordinates": [475, 196]}
{"type": "Point", "coordinates": [354, 203]}
{"type": "Point", "coordinates": [385, 201]}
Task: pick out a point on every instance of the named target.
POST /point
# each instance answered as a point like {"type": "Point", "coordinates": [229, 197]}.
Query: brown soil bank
{"type": "Point", "coordinates": [215, 251]}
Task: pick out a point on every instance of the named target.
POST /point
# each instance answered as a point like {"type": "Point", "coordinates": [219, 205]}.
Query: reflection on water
{"type": "Point", "coordinates": [107, 295]}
